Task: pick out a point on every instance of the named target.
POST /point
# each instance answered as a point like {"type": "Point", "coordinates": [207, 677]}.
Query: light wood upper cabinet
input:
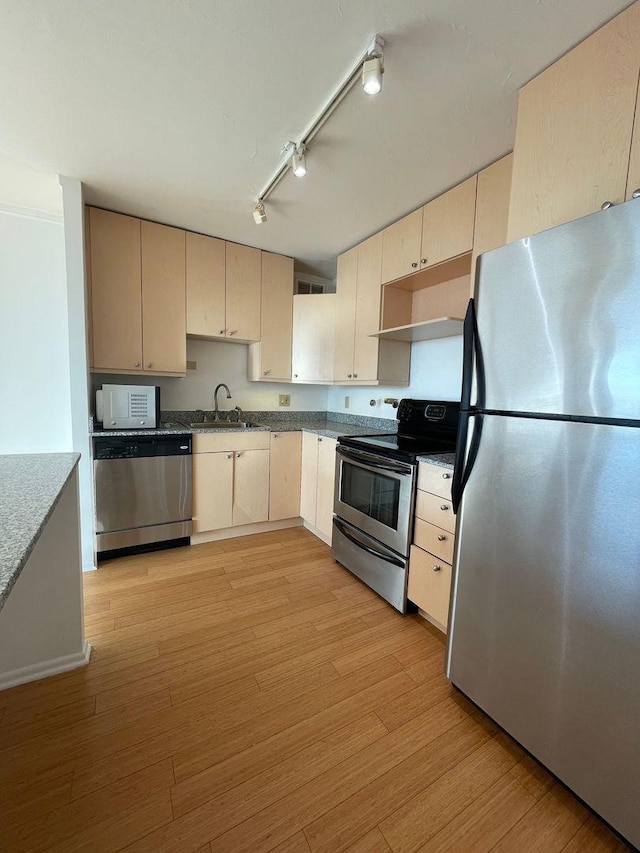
{"type": "Point", "coordinates": [313, 338]}
{"type": "Point", "coordinates": [164, 337]}
{"type": "Point", "coordinates": [205, 266]}
{"type": "Point", "coordinates": [367, 310]}
{"type": "Point", "coordinates": [345, 330]}
{"type": "Point", "coordinates": [270, 358]}
{"type": "Point", "coordinates": [492, 209]}
{"type": "Point", "coordinates": [447, 224]}
{"type": "Point", "coordinates": [284, 475]}
{"type": "Point", "coordinates": [633, 176]}
{"type": "Point", "coordinates": [243, 274]}
{"type": "Point", "coordinates": [116, 298]}
{"type": "Point", "coordinates": [574, 127]}
{"type": "Point", "coordinates": [137, 279]}
{"type": "Point", "coordinates": [401, 247]}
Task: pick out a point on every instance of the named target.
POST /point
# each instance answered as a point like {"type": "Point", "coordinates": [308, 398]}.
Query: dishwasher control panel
{"type": "Point", "coordinates": [127, 447]}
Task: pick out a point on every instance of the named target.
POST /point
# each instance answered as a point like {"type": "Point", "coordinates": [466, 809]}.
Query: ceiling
{"type": "Point", "coordinates": [177, 110]}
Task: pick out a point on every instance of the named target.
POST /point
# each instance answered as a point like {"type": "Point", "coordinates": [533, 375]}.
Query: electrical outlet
{"type": "Point", "coordinates": [346, 402]}
{"type": "Point", "coordinates": [192, 365]}
{"type": "Point", "coordinates": [284, 400]}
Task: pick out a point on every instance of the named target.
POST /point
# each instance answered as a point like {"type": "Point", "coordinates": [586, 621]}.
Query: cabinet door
{"type": "Point", "coordinates": [284, 475]}
{"type": "Point", "coordinates": [309, 477]}
{"type": "Point", "coordinates": [205, 271]}
{"type": "Point", "coordinates": [276, 317]}
{"type": "Point", "coordinates": [633, 176]}
{"type": "Point", "coordinates": [313, 338]}
{"type": "Point", "coordinates": [326, 484]}
{"type": "Point", "coordinates": [573, 132]}
{"type": "Point", "coordinates": [243, 272]}
{"type": "Point", "coordinates": [401, 247]}
{"type": "Point", "coordinates": [345, 315]}
{"type": "Point", "coordinates": [116, 301]}
{"type": "Point", "coordinates": [369, 295]}
{"type": "Point", "coordinates": [212, 491]}
{"type": "Point", "coordinates": [447, 224]}
{"type": "Point", "coordinates": [164, 332]}
{"type": "Point", "coordinates": [492, 209]}
{"type": "Point", "coordinates": [250, 487]}
{"type": "Point", "coordinates": [430, 585]}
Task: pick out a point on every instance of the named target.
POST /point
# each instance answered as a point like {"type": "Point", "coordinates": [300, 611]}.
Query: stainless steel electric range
{"type": "Point", "coordinates": [375, 490]}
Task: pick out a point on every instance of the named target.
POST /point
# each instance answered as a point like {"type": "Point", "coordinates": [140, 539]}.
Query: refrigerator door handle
{"type": "Point", "coordinates": [462, 470]}
{"type": "Point", "coordinates": [469, 349]}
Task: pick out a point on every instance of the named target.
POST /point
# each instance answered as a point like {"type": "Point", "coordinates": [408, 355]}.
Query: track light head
{"type": "Point", "coordinates": [373, 67]}
{"type": "Point", "coordinates": [299, 162]}
{"type": "Point", "coordinates": [259, 213]}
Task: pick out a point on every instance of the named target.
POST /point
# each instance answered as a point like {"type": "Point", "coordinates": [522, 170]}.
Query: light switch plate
{"type": "Point", "coordinates": [284, 400]}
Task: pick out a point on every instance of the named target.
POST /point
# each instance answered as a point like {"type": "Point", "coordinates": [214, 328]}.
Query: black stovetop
{"type": "Point", "coordinates": [424, 427]}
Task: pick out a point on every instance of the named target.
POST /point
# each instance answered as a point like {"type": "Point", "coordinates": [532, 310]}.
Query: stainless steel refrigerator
{"type": "Point", "coordinates": [544, 630]}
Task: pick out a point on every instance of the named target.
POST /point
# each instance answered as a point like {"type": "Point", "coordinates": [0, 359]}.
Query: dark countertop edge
{"type": "Point", "coordinates": [438, 459]}
{"type": "Point", "coordinates": [20, 562]}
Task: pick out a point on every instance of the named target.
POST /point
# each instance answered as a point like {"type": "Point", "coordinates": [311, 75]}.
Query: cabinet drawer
{"type": "Point", "coordinates": [435, 479]}
{"type": "Point", "coordinates": [430, 584]}
{"type": "Point", "coordinates": [434, 539]}
{"type": "Point", "coordinates": [205, 443]}
{"type": "Point", "coordinates": [436, 510]}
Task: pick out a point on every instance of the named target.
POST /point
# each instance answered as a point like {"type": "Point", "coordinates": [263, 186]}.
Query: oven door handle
{"type": "Point", "coordinates": [366, 459]}
{"type": "Point", "coordinates": [393, 560]}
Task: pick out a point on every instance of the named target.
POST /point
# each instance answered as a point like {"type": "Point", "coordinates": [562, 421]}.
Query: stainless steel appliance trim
{"type": "Point", "coordinates": [399, 539]}
{"type": "Point", "coordinates": [142, 491]}
{"type": "Point", "coordinates": [372, 460]}
{"type": "Point", "coordinates": [380, 568]}
{"type": "Point", "coordinates": [143, 535]}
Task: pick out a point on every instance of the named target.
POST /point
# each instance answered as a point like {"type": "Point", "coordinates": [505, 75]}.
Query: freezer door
{"type": "Point", "coordinates": [559, 318]}
{"type": "Point", "coordinates": [544, 632]}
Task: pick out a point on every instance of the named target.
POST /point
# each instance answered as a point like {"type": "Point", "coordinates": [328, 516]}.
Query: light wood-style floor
{"type": "Point", "coordinates": [251, 695]}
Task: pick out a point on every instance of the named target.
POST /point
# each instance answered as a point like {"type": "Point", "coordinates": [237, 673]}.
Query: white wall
{"type": "Point", "coordinates": [436, 374]}
{"type": "Point", "coordinates": [78, 360]}
{"type": "Point", "coordinates": [223, 362]}
{"type": "Point", "coordinates": [34, 350]}
{"type": "Point", "coordinates": [23, 187]}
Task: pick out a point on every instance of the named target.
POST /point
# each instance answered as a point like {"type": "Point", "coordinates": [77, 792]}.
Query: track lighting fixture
{"type": "Point", "coordinates": [373, 68]}
{"type": "Point", "coordinates": [369, 67]}
{"type": "Point", "coordinates": [298, 161]}
{"type": "Point", "coordinates": [259, 213]}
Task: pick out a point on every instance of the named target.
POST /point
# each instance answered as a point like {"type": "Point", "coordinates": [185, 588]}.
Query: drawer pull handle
{"type": "Point", "coordinates": [415, 265]}
{"type": "Point", "coordinates": [436, 568]}
{"type": "Point", "coordinates": [222, 331]}
{"type": "Point", "coordinates": [444, 507]}
{"type": "Point", "coordinates": [441, 537]}
{"type": "Point", "coordinates": [446, 476]}
{"type": "Point", "coordinates": [229, 455]}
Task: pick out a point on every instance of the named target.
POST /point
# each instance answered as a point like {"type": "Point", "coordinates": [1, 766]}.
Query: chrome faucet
{"type": "Point", "coordinates": [216, 413]}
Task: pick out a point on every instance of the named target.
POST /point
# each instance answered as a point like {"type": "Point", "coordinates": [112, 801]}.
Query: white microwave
{"type": "Point", "coordinates": [128, 406]}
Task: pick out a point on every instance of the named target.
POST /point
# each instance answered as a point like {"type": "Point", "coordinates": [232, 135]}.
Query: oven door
{"type": "Point", "coordinates": [376, 495]}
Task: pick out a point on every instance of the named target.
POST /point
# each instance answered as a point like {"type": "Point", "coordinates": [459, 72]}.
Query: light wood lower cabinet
{"type": "Point", "coordinates": [431, 554]}
{"type": "Point", "coordinates": [430, 585]}
{"type": "Point", "coordinates": [230, 480]}
{"type": "Point", "coordinates": [318, 480]}
{"type": "Point", "coordinates": [284, 478]}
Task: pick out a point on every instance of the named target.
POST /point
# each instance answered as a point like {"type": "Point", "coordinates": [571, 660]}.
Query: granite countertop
{"type": "Point", "coordinates": [31, 486]}
{"type": "Point", "coordinates": [444, 460]}
{"type": "Point", "coordinates": [174, 423]}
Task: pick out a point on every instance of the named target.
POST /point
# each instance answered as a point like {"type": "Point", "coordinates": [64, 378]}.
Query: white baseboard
{"type": "Point", "coordinates": [45, 669]}
{"type": "Point", "coordinates": [243, 530]}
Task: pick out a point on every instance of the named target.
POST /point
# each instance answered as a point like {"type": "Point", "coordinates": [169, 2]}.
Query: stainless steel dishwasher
{"type": "Point", "coordinates": [143, 492]}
